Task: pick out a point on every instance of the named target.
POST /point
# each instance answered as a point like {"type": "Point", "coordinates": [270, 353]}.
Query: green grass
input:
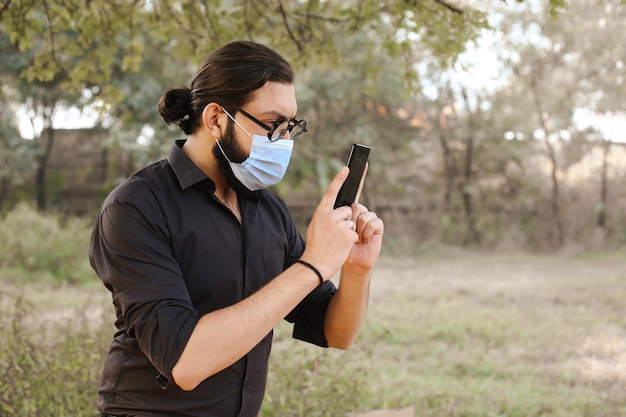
{"type": "Point", "coordinates": [461, 334]}
{"type": "Point", "coordinates": [489, 335]}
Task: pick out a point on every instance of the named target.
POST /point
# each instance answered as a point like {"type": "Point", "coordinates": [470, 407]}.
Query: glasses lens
{"type": "Point", "coordinates": [294, 129]}
{"type": "Point", "coordinates": [298, 129]}
{"type": "Point", "coordinates": [281, 131]}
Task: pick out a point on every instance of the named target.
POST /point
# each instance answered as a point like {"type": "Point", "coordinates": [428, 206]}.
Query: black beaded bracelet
{"type": "Point", "coordinates": [312, 268]}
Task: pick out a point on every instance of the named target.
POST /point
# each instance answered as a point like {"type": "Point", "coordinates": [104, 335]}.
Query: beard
{"type": "Point", "coordinates": [236, 154]}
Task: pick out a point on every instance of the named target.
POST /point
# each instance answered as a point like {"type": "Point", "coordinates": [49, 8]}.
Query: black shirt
{"type": "Point", "coordinates": [169, 251]}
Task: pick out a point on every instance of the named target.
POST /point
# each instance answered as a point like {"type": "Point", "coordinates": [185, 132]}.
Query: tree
{"type": "Point", "coordinates": [14, 157]}
{"type": "Point", "coordinates": [41, 99]}
{"type": "Point", "coordinates": [359, 104]}
{"type": "Point", "coordinates": [568, 64]}
{"type": "Point", "coordinates": [135, 114]}
{"type": "Point", "coordinates": [81, 40]}
{"type": "Point", "coordinates": [76, 53]}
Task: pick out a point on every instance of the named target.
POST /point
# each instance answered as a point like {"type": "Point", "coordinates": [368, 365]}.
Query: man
{"type": "Point", "coordinates": [203, 262]}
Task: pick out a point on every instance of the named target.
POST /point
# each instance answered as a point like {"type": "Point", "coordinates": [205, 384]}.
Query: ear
{"type": "Point", "coordinates": [214, 120]}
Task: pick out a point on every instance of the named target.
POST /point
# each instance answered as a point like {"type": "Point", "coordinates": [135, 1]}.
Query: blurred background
{"type": "Point", "coordinates": [493, 124]}
{"type": "Point", "coordinates": [498, 163]}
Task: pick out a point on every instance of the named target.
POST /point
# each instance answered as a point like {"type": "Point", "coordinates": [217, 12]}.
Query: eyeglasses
{"type": "Point", "coordinates": [279, 127]}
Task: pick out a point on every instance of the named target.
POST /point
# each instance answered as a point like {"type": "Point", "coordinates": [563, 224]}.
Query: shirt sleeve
{"type": "Point", "coordinates": [308, 316]}
{"type": "Point", "coordinates": [130, 252]}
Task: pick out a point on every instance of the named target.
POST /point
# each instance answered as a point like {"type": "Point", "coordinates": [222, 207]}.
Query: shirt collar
{"type": "Point", "coordinates": [187, 172]}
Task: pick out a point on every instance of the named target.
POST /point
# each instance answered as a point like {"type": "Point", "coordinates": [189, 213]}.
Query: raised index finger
{"type": "Point", "coordinates": [358, 193]}
{"type": "Point", "coordinates": [327, 203]}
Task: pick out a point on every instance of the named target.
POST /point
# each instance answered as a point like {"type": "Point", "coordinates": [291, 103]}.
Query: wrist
{"type": "Point", "coordinates": [357, 268]}
{"type": "Point", "coordinates": [312, 268]}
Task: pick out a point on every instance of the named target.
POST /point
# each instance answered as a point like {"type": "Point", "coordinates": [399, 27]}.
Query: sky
{"type": "Point", "coordinates": [66, 118]}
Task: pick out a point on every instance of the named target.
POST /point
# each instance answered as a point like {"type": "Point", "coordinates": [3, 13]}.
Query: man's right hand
{"type": "Point", "coordinates": [331, 233]}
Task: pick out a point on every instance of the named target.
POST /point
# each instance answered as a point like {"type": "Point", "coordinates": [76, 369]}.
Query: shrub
{"type": "Point", "coordinates": [37, 245]}
{"type": "Point", "coordinates": [47, 368]}
{"type": "Point", "coordinates": [305, 380]}
{"type": "Point", "coordinates": [50, 366]}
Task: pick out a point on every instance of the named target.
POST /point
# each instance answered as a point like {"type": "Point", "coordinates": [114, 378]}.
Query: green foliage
{"type": "Point", "coordinates": [16, 154]}
{"type": "Point", "coordinates": [359, 105]}
{"type": "Point", "coordinates": [47, 368]}
{"type": "Point", "coordinates": [305, 381]}
{"type": "Point", "coordinates": [36, 245]}
{"type": "Point", "coordinates": [81, 43]}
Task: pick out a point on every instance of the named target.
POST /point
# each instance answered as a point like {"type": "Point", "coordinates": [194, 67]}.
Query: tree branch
{"type": "Point", "coordinates": [5, 6]}
{"type": "Point", "coordinates": [448, 6]}
{"type": "Point", "coordinates": [286, 23]}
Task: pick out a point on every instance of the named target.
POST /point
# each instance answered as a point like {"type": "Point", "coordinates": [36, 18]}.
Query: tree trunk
{"type": "Point", "coordinates": [601, 214]}
{"type": "Point", "coordinates": [449, 163]}
{"type": "Point", "coordinates": [472, 235]}
{"type": "Point", "coordinates": [42, 167]}
{"type": "Point", "coordinates": [5, 186]}
{"type": "Point", "coordinates": [555, 198]}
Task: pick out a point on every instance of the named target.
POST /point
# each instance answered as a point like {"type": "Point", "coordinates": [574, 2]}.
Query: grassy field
{"type": "Point", "coordinates": [474, 334]}
{"type": "Point", "coordinates": [454, 334]}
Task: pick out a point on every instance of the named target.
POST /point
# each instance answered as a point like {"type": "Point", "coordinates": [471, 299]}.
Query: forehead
{"type": "Point", "coordinates": [274, 98]}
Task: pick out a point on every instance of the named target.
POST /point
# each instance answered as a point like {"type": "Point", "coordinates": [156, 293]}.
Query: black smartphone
{"type": "Point", "coordinates": [356, 163]}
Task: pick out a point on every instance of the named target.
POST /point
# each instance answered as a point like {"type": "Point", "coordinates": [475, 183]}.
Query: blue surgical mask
{"type": "Point", "coordinates": [267, 163]}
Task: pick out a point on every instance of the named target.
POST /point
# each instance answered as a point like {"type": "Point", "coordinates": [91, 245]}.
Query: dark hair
{"type": "Point", "coordinates": [228, 76]}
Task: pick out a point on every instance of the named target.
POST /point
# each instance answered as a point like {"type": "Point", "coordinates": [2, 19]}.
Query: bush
{"type": "Point", "coordinates": [307, 381]}
{"type": "Point", "coordinates": [37, 245]}
{"type": "Point", "coordinates": [47, 368]}
{"type": "Point", "coordinates": [51, 366]}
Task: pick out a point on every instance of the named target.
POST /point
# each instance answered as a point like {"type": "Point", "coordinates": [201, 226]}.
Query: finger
{"type": "Point", "coordinates": [362, 221]}
{"type": "Point", "coordinates": [357, 210]}
{"type": "Point", "coordinates": [352, 227]}
{"type": "Point", "coordinates": [358, 193]}
{"type": "Point", "coordinates": [327, 202]}
{"type": "Point", "coordinates": [374, 228]}
{"type": "Point", "coordinates": [369, 225]}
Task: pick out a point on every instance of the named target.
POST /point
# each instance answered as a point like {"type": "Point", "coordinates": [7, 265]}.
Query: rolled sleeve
{"type": "Point", "coordinates": [308, 317]}
{"type": "Point", "coordinates": [131, 253]}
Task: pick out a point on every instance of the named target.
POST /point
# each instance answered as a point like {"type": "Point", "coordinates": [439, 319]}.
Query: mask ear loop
{"type": "Point", "coordinates": [222, 150]}
{"type": "Point", "coordinates": [236, 122]}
